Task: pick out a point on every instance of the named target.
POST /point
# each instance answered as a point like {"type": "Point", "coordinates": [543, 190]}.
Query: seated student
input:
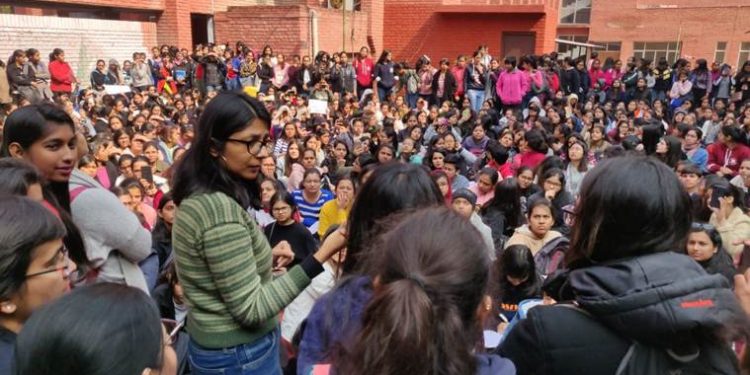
{"type": "Point", "coordinates": [34, 264]}
{"type": "Point", "coordinates": [450, 167]}
{"type": "Point", "coordinates": [286, 229]}
{"type": "Point", "coordinates": [538, 231]}
{"type": "Point", "coordinates": [514, 279]}
{"type": "Point", "coordinates": [705, 247]}
{"type": "Point", "coordinates": [310, 198]}
{"type": "Point", "coordinates": [690, 177]}
{"type": "Point", "coordinates": [631, 285]}
{"type": "Point", "coordinates": [464, 202]}
{"type": "Point", "coordinates": [84, 333]}
{"type": "Point", "coordinates": [426, 302]}
{"type": "Point", "coordinates": [336, 211]}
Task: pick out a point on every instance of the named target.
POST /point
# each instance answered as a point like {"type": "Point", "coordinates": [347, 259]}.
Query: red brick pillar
{"type": "Point", "coordinates": [173, 26]}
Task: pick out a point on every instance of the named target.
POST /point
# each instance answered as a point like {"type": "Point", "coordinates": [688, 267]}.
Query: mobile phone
{"type": "Point", "coordinates": [147, 174]}
{"type": "Point", "coordinates": [717, 193]}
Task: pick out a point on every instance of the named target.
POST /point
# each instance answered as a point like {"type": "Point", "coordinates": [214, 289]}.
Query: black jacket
{"type": "Point", "coordinates": [571, 81]}
{"type": "Point", "coordinates": [720, 264]}
{"type": "Point", "coordinates": [449, 87]}
{"type": "Point", "coordinates": [664, 300]}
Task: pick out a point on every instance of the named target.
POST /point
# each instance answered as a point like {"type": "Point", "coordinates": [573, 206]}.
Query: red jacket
{"type": "Point", "coordinates": [530, 159]}
{"type": "Point", "coordinates": [719, 155]}
{"type": "Point", "coordinates": [364, 69]}
{"type": "Point", "coordinates": [61, 77]}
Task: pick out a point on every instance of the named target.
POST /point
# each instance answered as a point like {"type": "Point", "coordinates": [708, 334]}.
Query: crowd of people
{"type": "Point", "coordinates": [238, 211]}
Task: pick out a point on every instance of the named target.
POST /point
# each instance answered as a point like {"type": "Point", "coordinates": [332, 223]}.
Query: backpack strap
{"type": "Point", "coordinates": [76, 192]}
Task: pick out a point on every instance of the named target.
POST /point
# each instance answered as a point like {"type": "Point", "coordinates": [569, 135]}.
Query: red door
{"type": "Point", "coordinates": [518, 44]}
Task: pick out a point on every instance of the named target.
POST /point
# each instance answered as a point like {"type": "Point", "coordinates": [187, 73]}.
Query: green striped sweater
{"type": "Point", "coordinates": [224, 265]}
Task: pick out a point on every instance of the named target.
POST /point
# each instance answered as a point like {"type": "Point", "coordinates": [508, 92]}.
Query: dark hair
{"type": "Point", "coordinates": [498, 152]}
{"type": "Point", "coordinates": [733, 133]}
{"type": "Point", "coordinates": [28, 125]}
{"type": "Point", "coordinates": [200, 172]}
{"type": "Point", "coordinates": [535, 140]}
{"type": "Point", "coordinates": [99, 329]}
{"type": "Point", "coordinates": [710, 231]}
{"type": "Point", "coordinates": [392, 188]}
{"type": "Point", "coordinates": [688, 167]}
{"type": "Point", "coordinates": [674, 151]}
{"type": "Point", "coordinates": [283, 196]}
{"type": "Point", "coordinates": [516, 261]}
{"type": "Point", "coordinates": [16, 176]}
{"type": "Point", "coordinates": [552, 172]}
{"type": "Point", "coordinates": [539, 201]}
{"type": "Point", "coordinates": [422, 318]}
{"type": "Point", "coordinates": [629, 206]}
{"type": "Point", "coordinates": [511, 60]}
{"type": "Point", "coordinates": [583, 165]}
{"type": "Point", "coordinates": [507, 200]}
{"type": "Point", "coordinates": [24, 225]}
{"type": "Point", "coordinates": [491, 173]}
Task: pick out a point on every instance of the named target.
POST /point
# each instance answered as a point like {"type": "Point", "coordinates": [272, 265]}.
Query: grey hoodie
{"type": "Point", "coordinates": [115, 240]}
{"type": "Point", "coordinates": [486, 233]}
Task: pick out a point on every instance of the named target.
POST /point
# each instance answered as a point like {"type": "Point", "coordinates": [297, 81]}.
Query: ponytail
{"type": "Point", "coordinates": [422, 317]}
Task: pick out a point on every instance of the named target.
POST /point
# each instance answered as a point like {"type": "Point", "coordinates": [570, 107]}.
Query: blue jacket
{"type": "Point", "coordinates": [336, 317]}
{"type": "Point", "coordinates": [7, 345]}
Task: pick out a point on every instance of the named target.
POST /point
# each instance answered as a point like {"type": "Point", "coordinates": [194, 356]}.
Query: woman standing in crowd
{"type": "Point", "coordinates": [61, 75]}
{"type": "Point", "coordinates": [234, 300]}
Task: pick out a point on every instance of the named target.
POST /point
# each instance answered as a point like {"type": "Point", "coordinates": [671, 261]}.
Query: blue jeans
{"type": "Point", "coordinates": [476, 97]}
{"type": "Point", "coordinates": [258, 357]}
{"type": "Point", "coordinates": [411, 100]}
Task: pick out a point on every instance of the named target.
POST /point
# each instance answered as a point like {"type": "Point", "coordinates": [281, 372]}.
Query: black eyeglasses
{"type": "Point", "coordinates": [254, 146]}
{"type": "Point", "coordinates": [63, 251]}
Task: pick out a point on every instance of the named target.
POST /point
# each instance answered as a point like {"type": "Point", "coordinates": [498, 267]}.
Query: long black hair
{"type": "Point", "coordinates": [101, 329]}
{"type": "Point", "coordinates": [392, 188]}
{"type": "Point", "coordinates": [422, 318]}
{"type": "Point", "coordinates": [629, 206]}
{"type": "Point", "coordinates": [17, 176]}
{"type": "Point", "coordinates": [507, 199]}
{"type": "Point", "coordinates": [28, 125]}
{"type": "Point", "coordinates": [517, 261]}
{"type": "Point", "coordinates": [200, 172]}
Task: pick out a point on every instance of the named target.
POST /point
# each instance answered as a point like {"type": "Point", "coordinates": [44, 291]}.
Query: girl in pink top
{"type": "Point", "coordinates": [512, 84]}
{"type": "Point", "coordinates": [484, 187]}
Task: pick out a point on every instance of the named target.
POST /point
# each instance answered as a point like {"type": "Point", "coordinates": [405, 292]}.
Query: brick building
{"type": "Point", "coordinates": [92, 29]}
{"type": "Point", "coordinates": [714, 30]}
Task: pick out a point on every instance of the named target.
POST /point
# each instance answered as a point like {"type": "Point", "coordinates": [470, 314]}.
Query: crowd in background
{"type": "Point", "coordinates": [341, 213]}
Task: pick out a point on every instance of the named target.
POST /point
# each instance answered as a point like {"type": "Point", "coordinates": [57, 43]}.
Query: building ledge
{"type": "Point", "coordinates": [493, 9]}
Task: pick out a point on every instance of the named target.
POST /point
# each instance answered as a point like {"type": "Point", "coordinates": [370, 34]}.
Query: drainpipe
{"type": "Point", "coordinates": [314, 32]}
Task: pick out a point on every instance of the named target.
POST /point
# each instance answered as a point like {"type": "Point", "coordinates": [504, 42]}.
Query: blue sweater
{"type": "Point", "coordinates": [311, 211]}
{"type": "Point", "coordinates": [7, 344]}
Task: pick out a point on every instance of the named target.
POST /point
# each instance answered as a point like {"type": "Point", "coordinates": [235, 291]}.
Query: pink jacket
{"type": "Point", "coordinates": [511, 87]}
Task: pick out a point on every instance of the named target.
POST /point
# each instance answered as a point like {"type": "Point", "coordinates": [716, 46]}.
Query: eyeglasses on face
{"type": "Point", "coordinates": [64, 269]}
{"type": "Point", "coordinates": [254, 146]}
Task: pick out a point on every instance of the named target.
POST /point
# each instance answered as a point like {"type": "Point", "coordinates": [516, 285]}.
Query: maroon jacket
{"type": "Point", "coordinates": [721, 156]}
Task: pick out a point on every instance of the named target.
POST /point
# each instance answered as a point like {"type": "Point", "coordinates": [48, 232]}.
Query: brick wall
{"type": "Point", "coordinates": [413, 29]}
{"type": "Point", "coordinates": [84, 40]}
{"type": "Point", "coordinates": [699, 24]}
{"type": "Point", "coordinates": [285, 28]}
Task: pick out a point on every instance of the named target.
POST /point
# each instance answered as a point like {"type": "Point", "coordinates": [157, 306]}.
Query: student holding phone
{"type": "Point", "coordinates": [729, 218]}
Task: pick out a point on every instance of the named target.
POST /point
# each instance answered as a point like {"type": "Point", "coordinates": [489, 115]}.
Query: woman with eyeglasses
{"type": "Point", "coordinates": [34, 263]}
{"type": "Point", "coordinates": [705, 247]}
{"type": "Point", "coordinates": [224, 261]}
{"type": "Point", "coordinates": [285, 228]}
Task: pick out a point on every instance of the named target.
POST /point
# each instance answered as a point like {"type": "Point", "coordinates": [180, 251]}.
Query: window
{"type": "Point", "coordinates": [608, 46]}
{"type": "Point", "coordinates": [656, 50]}
{"type": "Point", "coordinates": [744, 53]}
{"type": "Point", "coordinates": [721, 52]}
{"type": "Point", "coordinates": [570, 49]}
{"type": "Point", "coordinates": [575, 11]}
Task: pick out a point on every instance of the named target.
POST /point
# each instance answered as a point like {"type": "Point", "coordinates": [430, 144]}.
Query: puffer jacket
{"type": "Point", "coordinates": [664, 300]}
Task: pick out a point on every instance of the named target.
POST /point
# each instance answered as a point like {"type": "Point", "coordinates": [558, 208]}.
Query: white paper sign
{"type": "Point", "coordinates": [318, 107]}
{"type": "Point", "coordinates": [116, 89]}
